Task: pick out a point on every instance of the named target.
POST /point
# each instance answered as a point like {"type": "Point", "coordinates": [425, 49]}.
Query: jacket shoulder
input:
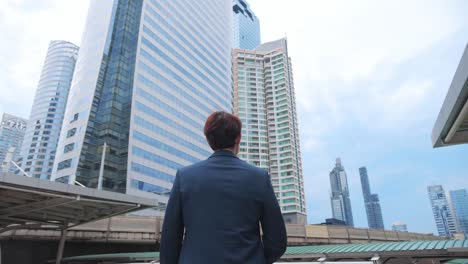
{"type": "Point", "coordinates": [195, 166]}
{"type": "Point", "coordinates": [254, 169]}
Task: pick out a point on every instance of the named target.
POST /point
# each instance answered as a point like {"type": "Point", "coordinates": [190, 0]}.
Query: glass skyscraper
{"type": "Point", "coordinates": [264, 99]}
{"type": "Point", "coordinates": [443, 215]}
{"type": "Point", "coordinates": [459, 202]}
{"type": "Point", "coordinates": [371, 202]}
{"type": "Point", "coordinates": [245, 26]}
{"type": "Point", "coordinates": [12, 129]}
{"type": "Point", "coordinates": [148, 74]}
{"type": "Point", "coordinates": [340, 202]}
{"type": "Point", "coordinates": [45, 122]}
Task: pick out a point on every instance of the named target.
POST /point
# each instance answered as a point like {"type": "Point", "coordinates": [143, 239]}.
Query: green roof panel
{"type": "Point", "coordinates": [321, 249]}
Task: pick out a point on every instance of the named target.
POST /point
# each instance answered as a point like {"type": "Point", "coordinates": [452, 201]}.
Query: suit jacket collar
{"type": "Point", "coordinates": [223, 152]}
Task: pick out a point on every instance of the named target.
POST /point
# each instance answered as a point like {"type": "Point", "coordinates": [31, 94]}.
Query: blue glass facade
{"type": "Point", "coordinates": [371, 202]}
{"type": "Point", "coordinates": [443, 215]}
{"type": "Point", "coordinates": [459, 200]}
{"type": "Point", "coordinates": [245, 26]}
{"type": "Point", "coordinates": [340, 201]}
{"type": "Point", "coordinates": [165, 66]}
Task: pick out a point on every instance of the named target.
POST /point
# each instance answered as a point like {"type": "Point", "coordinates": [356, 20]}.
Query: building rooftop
{"type": "Point", "coordinates": [446, 249]}
{"type": "Point", "coordinates": [451, 127]}
{"type": "Point", "coordinates": [34, 203]}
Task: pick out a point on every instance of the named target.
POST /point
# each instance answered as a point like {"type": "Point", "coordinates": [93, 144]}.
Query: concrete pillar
{"type": "Point", "coordinates": [108, 228]}
{"type": "Point", "coordinates": [61, 246]}
{"type": "Point", "coordinates": [347, 233]}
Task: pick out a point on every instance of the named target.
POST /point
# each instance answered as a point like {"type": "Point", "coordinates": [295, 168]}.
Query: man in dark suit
{"type": "Point", "coordinates": [220, 203]}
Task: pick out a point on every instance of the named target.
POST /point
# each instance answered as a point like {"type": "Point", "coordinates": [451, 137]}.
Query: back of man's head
{"type": "Point", "coordinates": [222, 130]}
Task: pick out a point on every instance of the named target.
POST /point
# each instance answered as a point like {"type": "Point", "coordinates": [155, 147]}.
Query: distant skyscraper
{"type": "Point", "coordinates": [148, 75]}
{"type": "Point", "coordinates": [459, 201]}
{"type": "Point", "coordinates": [399, 226]}
{"type": "Point", "coordinates": [264, 99]}
{"type": "Point", "coordinates": [340, 202]}
{"type": "Point", "coordinates": [443, 215]}
{"type": "Point", "coordinates": [43, 129]}
{"type": "Point", "coordinates": [371, 202]}
{"type": "Point", "coordinates": [12, 129]}
{"type": "Point", "coordinates": [245, 26]}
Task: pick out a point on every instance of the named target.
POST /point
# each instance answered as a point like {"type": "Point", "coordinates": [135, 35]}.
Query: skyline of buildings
{"type": "Point", "coordinates": [371, 202]}
{"type": "Point", "coordinates": [339, 198]}
{"type": "Point", "coordinates": [264, 99]}
{"type": "Point", "coordinates": [147, 76]}
{"type": "Point", "coordinates": [108, 151]}
{"type": "Point", "coordinates": [47, 111]}
{"type": "Point", "coordinates": [245, 26]}
{"type": "Point", "coordinates": [443, 216]}
{"type": "Point", "coordinates": [12, 130]}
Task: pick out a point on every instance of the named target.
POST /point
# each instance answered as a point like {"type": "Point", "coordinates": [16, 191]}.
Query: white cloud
{"type": "Point", "coordinates": [27, 27]}
{"type": "Point", "coordinates": [335, 45]}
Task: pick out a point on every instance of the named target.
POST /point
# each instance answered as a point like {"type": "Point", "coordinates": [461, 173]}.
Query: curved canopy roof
{"type": "Point", "coordinates": [36, 203]}
{"type": "Point", "coordinates": [445, 249]}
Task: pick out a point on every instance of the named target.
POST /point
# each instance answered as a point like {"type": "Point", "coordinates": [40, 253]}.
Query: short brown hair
{"type": "Point", "coordinates": [222, 129]}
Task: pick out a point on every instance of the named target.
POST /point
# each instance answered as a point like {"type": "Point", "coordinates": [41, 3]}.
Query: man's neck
{"type": "Point", "coordinates": [233, 150]}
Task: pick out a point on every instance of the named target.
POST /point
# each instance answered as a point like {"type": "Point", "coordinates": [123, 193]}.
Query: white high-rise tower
{"type": "Point", "coordinates": [45, 122]}
{"type": "Point", "coordinates": [264, 99]}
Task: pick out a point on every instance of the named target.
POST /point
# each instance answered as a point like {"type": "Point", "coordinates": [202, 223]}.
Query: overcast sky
{"type": "Point", "coordinates": [370, 78]}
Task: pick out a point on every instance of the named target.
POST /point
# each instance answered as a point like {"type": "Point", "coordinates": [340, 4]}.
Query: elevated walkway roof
{"type": "Point", "coordinates": [445, 249]}
{"type": "Point", "coordinates": [451, 126]}
{"type": "Point", "coordinates": [36, 203]}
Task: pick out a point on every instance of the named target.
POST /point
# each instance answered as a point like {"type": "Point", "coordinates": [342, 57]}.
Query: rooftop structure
{"type": "Point", "coordinates": [37, 203]}
{"type": "Point", "coordinates": [451, 127]}
{"type": "Point", "coordinates": [387, 252]}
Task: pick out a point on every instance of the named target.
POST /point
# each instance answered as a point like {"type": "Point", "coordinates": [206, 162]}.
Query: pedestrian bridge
{"type": "Point", "coordinates": [139, 229]}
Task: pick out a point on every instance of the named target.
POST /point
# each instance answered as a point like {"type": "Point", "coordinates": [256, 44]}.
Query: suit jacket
{"type": "Point", "coordinates": [220, 203]}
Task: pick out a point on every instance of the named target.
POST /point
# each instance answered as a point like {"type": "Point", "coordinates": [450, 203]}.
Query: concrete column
{"type": "Point", "coordinates": [108, 229]}
{"type": "Point", "coordinates": [61, 246]}
{"type": "Point", "coordinates": [157, 231]}
{"type": "Point", "coordinates": [349, 237]}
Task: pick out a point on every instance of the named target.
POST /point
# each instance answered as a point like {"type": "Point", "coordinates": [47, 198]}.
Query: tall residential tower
{"type": "Point", "coordinates": [371, 202]}
{"type": "Point", "coordinates": [264, 99]}
{"type": "Point", "coordinates": [148, 74]}
{"type": "Point", "coordinates": [45, 122]}
{"type": "Point", "coordinates": [340, 202]}
{"type": "Point", "coordinates": [443, 215]}
{"type": "Point", "coordinates": [245, 26]}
